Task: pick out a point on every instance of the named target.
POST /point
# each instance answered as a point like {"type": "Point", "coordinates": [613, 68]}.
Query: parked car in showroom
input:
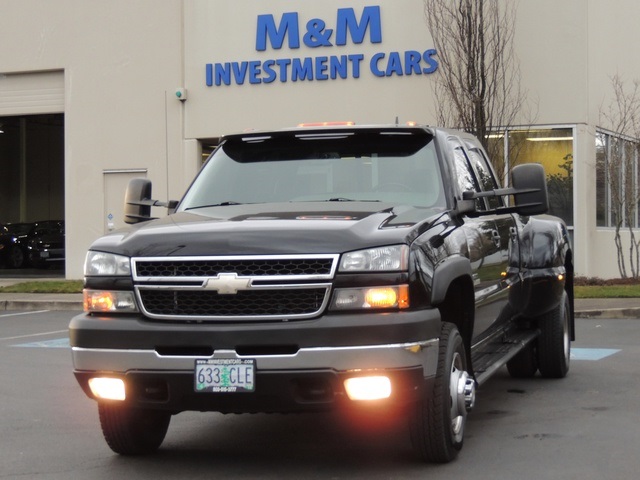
{"type": "Point", "coordinates": [13, 244]}
{"type": "Point", "coordinates": [45, 244]}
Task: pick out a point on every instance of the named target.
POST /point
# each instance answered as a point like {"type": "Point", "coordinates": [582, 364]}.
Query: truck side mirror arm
{"type": "Point", "coordinates": [529, 191]}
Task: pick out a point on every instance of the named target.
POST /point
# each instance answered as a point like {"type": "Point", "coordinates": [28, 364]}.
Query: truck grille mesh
{"type": "Point", "coordinates": [247, 303]}
{"type": "Point", "coordinates": [243, 267]}
{"type": "Point", "coordinates": [238, 288]}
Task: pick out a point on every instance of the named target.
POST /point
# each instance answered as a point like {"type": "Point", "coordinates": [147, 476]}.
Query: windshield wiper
{"type": "Point", "coordinates": [223, 204]}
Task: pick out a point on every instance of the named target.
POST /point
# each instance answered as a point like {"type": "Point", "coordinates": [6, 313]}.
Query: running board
{"type": "Point", "coordinates": [494, 355]}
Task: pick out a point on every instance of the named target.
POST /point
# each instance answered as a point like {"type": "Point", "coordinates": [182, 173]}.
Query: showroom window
{"type": "Point", "coordinates": [617, 181]}
{"type": "Point", "coordinates": [551, 147]}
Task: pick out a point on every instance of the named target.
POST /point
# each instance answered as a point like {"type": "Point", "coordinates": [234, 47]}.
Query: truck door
{"type": "Point", "coordinates": [489, 238]}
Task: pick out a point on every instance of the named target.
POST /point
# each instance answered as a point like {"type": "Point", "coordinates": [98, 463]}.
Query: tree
{"type": "Point", "coordinates": [477, 87]}
{"type": "Point", "coordinates": [560, 188]}
{"type": "Point", "coordinates": [622, 116]}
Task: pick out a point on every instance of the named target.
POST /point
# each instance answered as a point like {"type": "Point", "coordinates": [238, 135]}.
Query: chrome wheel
{"type": "Point", "coordinates": [438, 422]}
{"type": "Point", "coordinates": [462, 396]}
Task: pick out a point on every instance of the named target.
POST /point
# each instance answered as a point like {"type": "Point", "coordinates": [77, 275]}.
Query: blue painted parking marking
{"type": "Point", "coordinates": [57, 343]}
{"type": "Point", "coordinates": [592, 353]}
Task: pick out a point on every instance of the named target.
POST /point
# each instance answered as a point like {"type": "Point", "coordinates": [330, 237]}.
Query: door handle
{"type": "Point", "coordinates": [495, 235]}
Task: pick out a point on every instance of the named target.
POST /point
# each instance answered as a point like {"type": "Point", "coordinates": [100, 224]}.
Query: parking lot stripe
{"type": "Point", "coordinates": [22, 313]}
{"type": "Point", "coordinates": [57, 343]}
{"type": "Point", "coordinates": [33, 335]}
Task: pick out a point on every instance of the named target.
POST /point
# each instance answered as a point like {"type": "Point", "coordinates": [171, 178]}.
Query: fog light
{"type": "Point", "coordinates": [107, 388]}
{"type": "Point", "coordinates": [368, 388]}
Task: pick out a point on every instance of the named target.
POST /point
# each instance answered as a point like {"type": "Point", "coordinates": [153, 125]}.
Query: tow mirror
{"type": "Point", "coordinates": [528, 187]}
{"type": "Point", "coordinates": [138, 201]}
{"type": "Point", "coordinates": [530, 179]}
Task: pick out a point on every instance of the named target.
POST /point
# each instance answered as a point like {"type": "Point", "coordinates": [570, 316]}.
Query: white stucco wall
{"type": "Point", "coordinates": [121, 61]}
{"type": "Point", "coordinates": [218, 33]}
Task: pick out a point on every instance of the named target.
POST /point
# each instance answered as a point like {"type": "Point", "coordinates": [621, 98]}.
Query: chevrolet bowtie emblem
{"type": "Point", "coordinates": [227, 283]}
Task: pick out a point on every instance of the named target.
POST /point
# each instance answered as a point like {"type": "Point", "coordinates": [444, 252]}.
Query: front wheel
{"type": "Point", "coordinates": [15, 257]}
{"type": "Point", "coordinates": [132, 431]}
{"type": "Point", "coordinates": [437, 424]}
{"type": "Point", "coordinates": [554, 343]}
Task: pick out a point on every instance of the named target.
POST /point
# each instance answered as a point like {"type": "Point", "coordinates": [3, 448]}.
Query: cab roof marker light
{"type": "Point", "coordinates": [335, 134]}
{"type": "Point", "coordinates": [327, 124]}
{"type": "Point", "coordinates": [256, 139]}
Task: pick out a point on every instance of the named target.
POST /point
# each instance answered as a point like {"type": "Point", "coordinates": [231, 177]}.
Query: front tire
{"type": "Point", "coordinates": [132, 431]}
{"type": "Point", "coordinates": [437, 424]}
{"type": "Point", "coordinates": [554, 343]}
{"type": "Point", "coordinates": [15, 257]}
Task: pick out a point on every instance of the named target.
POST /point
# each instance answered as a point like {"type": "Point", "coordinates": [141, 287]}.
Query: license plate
{"type": "Point", "coordinates": [225, 375]}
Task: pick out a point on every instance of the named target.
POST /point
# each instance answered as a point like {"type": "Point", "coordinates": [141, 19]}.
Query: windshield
{"type": "Point", "coordinates": [394, 166]}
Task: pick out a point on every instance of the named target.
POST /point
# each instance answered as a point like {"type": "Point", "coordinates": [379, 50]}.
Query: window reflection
{"type": "Point", "coordinates": [617, 181]}
{"type": "Point", "coordinates": [551, 147]}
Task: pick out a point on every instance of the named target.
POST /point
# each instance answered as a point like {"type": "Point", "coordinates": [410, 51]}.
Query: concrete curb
{"type": "Point", "coordinates": [35, 305]}
{"type": "Point", "coordinates": [614, 313]}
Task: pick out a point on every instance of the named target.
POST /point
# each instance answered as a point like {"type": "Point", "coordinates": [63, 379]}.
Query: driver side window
{"type": "Point", "coordinates": [464, 173]}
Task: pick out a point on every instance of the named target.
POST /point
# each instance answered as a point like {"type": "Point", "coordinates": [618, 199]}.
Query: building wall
{"type": "Point", "coordinates": [121, 61]}
{"type": "Point", "coordinates": [550, 41]}
{"type": "Point", "coordinates": [210, 37]}
{"type": "Point", "coordinates": [124, 59]}
{"type": "Point", "coordinates": [613, 34]}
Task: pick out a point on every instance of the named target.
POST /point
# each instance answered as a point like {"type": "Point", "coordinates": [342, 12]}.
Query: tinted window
{"type": "Point", "coordinates": [466, 178]}
{"type": "Point", "coordinates": [485, 177]}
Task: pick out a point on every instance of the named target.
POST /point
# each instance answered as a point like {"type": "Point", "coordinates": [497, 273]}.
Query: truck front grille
{"type": "Point", "coordinates": [259, 303]}
{"type": "Point", "coordinates": [247, 288]}
{"type": "Point", "coordinates": [243, 267]}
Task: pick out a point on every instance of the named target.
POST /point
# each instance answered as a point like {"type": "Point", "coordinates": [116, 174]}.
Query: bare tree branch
{"type": "Point", "coordinates": [622, 116]}
{"type": "Point", "coordinates": [478, 86]}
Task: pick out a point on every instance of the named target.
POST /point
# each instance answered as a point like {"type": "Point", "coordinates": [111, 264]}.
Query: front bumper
{"type": "Point", "coordinates": [299, 366]}
{"type": "Point", "coordinates": [311, 380]}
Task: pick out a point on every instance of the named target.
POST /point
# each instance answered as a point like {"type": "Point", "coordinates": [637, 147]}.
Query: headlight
{"type": "Point", "coordinates": [108, 301]}
{"type": "Point", "coordinates": [381, 259]}
{"type": "Point", "coordinates": [396, 297]}
{"type": "Point", "coordinates": [100, 263]}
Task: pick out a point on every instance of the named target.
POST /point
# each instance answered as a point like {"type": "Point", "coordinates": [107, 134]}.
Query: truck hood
{"type": "Point", "coordinates": [261, 229]}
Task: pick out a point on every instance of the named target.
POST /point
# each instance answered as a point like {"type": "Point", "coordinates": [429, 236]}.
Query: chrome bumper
{"type": "Point", "coordinates": [381, 357]}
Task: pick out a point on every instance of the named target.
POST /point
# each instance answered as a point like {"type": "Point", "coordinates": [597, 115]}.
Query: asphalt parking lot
{"type": "Point", "coordinates": [582, 427]}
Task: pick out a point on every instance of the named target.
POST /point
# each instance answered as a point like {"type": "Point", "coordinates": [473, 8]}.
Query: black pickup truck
{"type": "Point", "coordinates": [320, 268]}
